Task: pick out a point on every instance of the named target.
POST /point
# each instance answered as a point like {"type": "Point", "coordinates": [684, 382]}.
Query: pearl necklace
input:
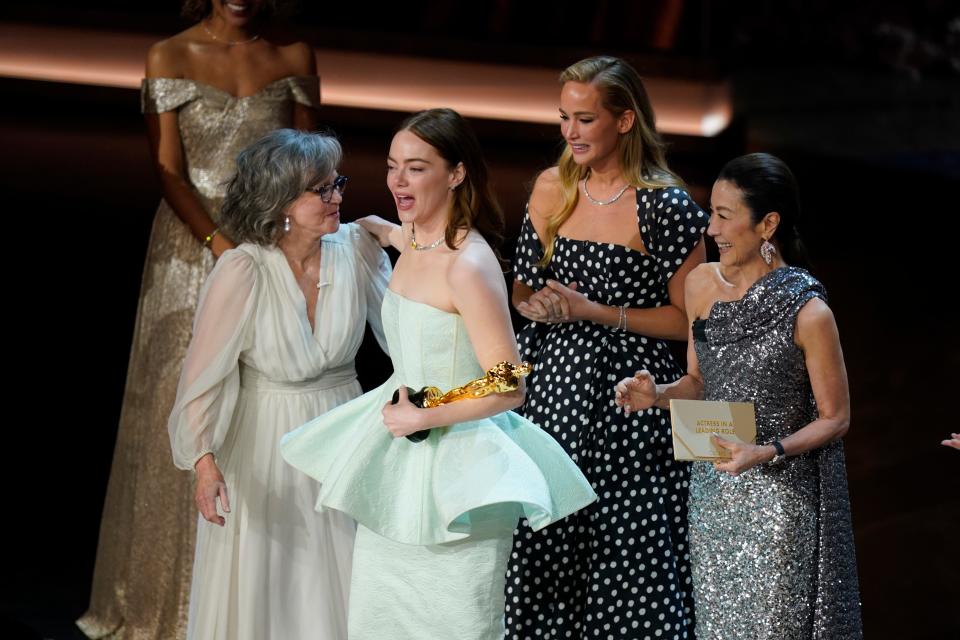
{"type": "Point", "coordinates": [422, 247]}
{"type": "Point", "coordinates": [229, 43]}
{"type": "Point", "coordinates": [601, 203]}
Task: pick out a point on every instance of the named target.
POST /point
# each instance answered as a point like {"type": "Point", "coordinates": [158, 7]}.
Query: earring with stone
{"type": "Point", "coordinates": [286, 225]}
{"type": "Point", "coordinates": [767, 251]}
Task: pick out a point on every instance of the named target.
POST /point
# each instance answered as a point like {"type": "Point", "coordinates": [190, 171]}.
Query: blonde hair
{"type": "Point", "coordinates": [641, 150]}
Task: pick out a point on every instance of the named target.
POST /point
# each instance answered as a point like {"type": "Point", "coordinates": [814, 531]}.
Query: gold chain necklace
{"type": "Point", "coordinates": [229, 43]}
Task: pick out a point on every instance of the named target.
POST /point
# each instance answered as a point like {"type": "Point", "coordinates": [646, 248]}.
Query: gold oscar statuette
{"type": "Point", "coordinates": [503, 377]}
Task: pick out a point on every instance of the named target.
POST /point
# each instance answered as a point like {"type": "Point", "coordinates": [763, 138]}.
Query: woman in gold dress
{"type": "Point", "coordinates": [209, 91]}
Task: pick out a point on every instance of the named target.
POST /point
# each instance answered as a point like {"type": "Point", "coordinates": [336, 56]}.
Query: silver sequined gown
{"type": "Point", "coordinates": [771, 550]}
{"type": "Point", "coordinates": [141, 582]}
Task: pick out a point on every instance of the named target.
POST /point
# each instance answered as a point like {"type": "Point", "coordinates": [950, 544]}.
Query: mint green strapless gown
{"type": "Point", "coordinates": [435, 517]}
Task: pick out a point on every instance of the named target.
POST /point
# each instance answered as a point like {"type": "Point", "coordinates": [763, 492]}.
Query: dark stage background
{"type": "Point", "coordinates": [863, 102]}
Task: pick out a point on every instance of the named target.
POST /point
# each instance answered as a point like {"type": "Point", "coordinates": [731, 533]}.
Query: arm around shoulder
{"type": "Point", "coordinates": [388, 234]}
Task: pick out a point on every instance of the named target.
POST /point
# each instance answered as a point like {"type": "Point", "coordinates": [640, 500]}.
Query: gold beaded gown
{"type": "Point", "coordinates": [141, 581]}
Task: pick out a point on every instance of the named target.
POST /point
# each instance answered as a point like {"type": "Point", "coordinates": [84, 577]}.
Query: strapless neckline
{"type": "Point", "coordinates": [421, 304]}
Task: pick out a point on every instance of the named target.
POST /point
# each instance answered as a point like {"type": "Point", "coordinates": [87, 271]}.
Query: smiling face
{"type": "Point", "coordinates": [420, 179]}
{"type": "Point", "coordinates": [732, 226]}
{"type": "Point", "coordinates": [311, 215]}
{"type": "Point", "coordinates": [235, 13]}
{"type": "Point", "coordinates": [591, 130]}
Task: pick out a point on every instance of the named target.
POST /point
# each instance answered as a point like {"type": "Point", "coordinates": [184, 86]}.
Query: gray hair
{"type": "Point", "coordinates": [272, 173]}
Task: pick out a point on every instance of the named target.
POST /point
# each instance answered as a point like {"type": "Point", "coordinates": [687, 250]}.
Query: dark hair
{"type": "Point", "coordinates": [474, 205]}
{"type": "Point", "coordinates": [197, 10]}
{"type": "Point", "coordinates": [768, 185]}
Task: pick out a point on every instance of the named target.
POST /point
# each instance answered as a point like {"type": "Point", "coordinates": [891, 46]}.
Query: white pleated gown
{"type": "Point", "coordinates": [255, 370]}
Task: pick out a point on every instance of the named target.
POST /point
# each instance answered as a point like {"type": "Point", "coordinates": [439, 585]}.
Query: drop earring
{"type": "Point", "coordinates": [286, 225]}
{"type": "Point", "coordinates": [767, 251]}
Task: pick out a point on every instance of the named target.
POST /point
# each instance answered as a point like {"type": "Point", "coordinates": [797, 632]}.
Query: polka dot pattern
{"type": "Point", "coordinates": [620, 567]}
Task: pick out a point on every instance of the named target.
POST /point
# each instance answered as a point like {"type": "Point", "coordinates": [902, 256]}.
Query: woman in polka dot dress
{"type": "Point", "coordinates": [609, 237]}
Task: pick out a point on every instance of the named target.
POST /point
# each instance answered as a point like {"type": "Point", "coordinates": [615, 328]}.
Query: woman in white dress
{"type": "Point", "coordinates": [278, 325]}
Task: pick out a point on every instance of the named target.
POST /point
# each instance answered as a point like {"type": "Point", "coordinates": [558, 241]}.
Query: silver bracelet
{"type": "Point", "coordinates": [622, 319]}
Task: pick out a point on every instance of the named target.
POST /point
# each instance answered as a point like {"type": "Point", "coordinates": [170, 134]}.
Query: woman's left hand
{"type": "Point", "coordinates": [404, 417]}
{"type": "Point", "coordinates": [743, 455]}
{"type": "Point", "coordinates": [572, 303]}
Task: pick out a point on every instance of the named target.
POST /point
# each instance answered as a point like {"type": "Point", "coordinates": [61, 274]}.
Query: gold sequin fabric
{"type": "Point", "coordinates": [141, 581]}
{"type": "Point", "coordinates": [771, 550]}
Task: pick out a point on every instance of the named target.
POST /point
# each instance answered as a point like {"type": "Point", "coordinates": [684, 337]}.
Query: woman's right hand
{"type": "Point", "coordinates": [546, 305]}
{"type": "Point", "coordinates": [210, 487]}
{"type": "Point", "coordinates": [637, 393]}
{"type": "Point", "coordinates": [403, 417]}
{"type": "Point", "coordinates": [387, 233]}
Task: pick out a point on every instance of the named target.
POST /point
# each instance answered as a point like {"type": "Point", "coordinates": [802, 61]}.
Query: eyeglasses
{"type": "Point", "coordinates": [325, 191]}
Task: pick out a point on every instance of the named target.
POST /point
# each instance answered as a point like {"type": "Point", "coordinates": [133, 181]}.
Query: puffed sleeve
{"type": "Point", "coordinates": [210, 381]}
{"type": "Point", "coordinates": [673, 226]}
{"type": "Point", "coordinates": [375, 269]}
{"type": "Point", "coordinates": [528, 253]}
{"type": "Point", "coordinates": [165, 94]}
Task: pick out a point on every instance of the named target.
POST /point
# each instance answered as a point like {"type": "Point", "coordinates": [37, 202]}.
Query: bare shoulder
{"type": "Point", "coordinates": [167, 58]}
{"type": "Point", "coordinates": [547, 195]}
{"type": "Point", "coordinates": [170, 58]}
{"type": "Point", "coordinates": [299, 56]}
{"type": "Point", "coordinates": [473, 262]}
{"type": "Point", "coordinates": [815, 316]}
{"type": "Point", "coordinates": [699, 289]}
{"type": "Point", "coordinates": [701, 278]}
{"type": "Point", "coordinates": [816, 328]}
{"type": "Point", "coordinates": [548, 178]}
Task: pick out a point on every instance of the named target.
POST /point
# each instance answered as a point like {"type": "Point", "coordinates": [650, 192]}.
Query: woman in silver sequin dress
{"type": "Point", "coordinates": [771, 542]}
{"type": "Point", "coordinates": [210, 91]}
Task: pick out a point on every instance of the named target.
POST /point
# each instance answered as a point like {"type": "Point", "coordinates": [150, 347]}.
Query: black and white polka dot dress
{"type": "Point", "coordinates": [620, 567]}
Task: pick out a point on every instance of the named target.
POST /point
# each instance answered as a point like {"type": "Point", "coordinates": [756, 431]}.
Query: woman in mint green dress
{"type": "Point", "coordinates": [435, 518]}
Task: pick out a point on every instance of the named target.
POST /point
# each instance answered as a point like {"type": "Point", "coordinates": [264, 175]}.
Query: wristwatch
{"type": "Point", "coordinates": [781, 454]}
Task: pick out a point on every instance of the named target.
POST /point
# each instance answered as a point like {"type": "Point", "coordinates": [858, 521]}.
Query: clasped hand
{"type": "Point", "coordinates": [555, 303]}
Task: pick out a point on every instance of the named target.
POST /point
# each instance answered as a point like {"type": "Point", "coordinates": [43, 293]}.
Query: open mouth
{"type": "Point", "coordinates": [237, 7]}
